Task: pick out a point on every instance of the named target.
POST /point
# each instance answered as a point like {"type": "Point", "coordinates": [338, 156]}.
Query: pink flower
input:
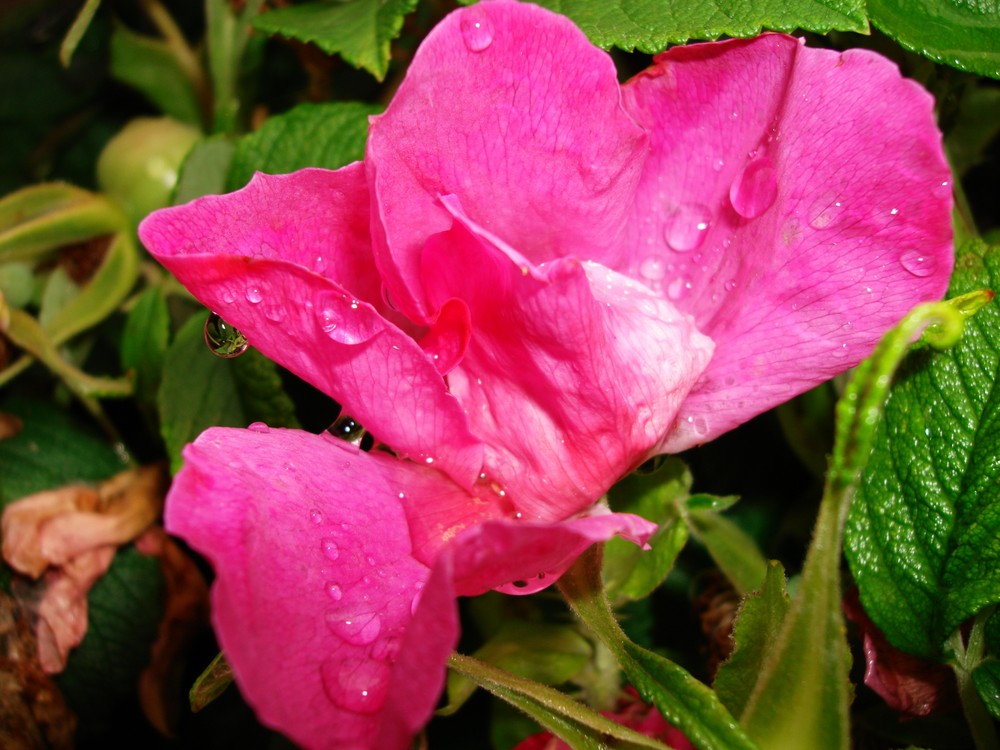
{"type": "Point", "coordinates": [536, 280]}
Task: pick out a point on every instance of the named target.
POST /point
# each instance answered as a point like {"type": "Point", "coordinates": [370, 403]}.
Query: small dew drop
{"type": "Point", "coordinates": [894, 211]}
{"type": "Point", "coordinates": [653, 268]}
{"type": "Point", "coordinates": [718, 164]}
{"type": "Point", "coordinates": [330, 549]}
{"type": "Point", "coordinates": [258, 427]}
{"type": "Point", "coordinates": [254, 295]}
{"type": "Point", "coordinates": [700, 425]}
{"type": "Point", "coordinates": [359, 630]}
{"type": "Point", "coordinates": [840, 352]}
{"type": "Point", "coordinates": [825, 211]}
{"type": "Point", "coordinates": [429, 460]}
{"type": "Point", "coordinates": [730, 285]}
{"type": "Point", "coordinates": [755, 189]}
{"type": "Point", "coordinates": [916, 263]}
{"type": "Point", "coordinates": [686, 229]}
{"type": "Point", "coordinates": [319, 264]}
{"type": "Point", "coordinates": [222, 339]}
{"type": "Point", "coordinates": [316, 517]}
{"type": "Point", "coordinates": [477, 32]}
{"type": "Point", "coordinates": [678, 288]}
{"type": "Point", "coordinates": [346, 428]}
{"type": "Point", "coordinates": [334, 591]}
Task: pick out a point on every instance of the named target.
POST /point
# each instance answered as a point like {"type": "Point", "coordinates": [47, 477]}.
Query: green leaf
{"type": "Point", "coordinates": [53, 449]}
{"type": "Point", "coordinates": [961, 33]}
{"type": "Point", "coordinates": [732, 549]}
{"type": "Point", "coordinates": [802, 695]}
{"type": "Point", "coordinates": [149, 65]}
{"type": "Point", "coordinates": [144, 343]}
{"type": "Point", "coordinates": [544, 652]}
{"type": "Point", "coordinates": [757, 627]}
{"type": "Point", "coordinates": [200, 390]}
{"type": "Point", "coordinates": [310, 135]}
{"type": "Point", "coordinates": [631, 573]}
{"type": "Point", "coordinates": [986, 678]}
{"type": "Point", "coordinates": [650, 25]}
{"type": "Point", "coordinates": [579, 726]}
{"type": "Point", "coordinates": [204, 170]}
{"type": "Point", "coordinates": [124, 609]}
{"type": "Point", "coordinates": [211, 683]}
{"type": "Point", "coordinates": [923, 536]}
{"type": "Point", "coordinates": [358, 30]}
{"type": "Point", "coordinates": [232, 53]}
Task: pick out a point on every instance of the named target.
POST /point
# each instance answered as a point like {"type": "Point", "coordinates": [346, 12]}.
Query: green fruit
{"type": "Point", "coordinates": [138, 168]}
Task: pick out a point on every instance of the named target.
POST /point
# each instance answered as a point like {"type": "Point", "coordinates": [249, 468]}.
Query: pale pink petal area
{"type": "Point", "coordinates": [796, 201]}
{"type": "Point", "coordinates": [522, 557]}
{"type": "Point", "coordinates": [572, 375]}
{"type": "Point", "coordinates": [249, 256]}
{"type": "Point", "coordinates": [319, 606]}
{"type": "Point", "coordinates": [509, 107]}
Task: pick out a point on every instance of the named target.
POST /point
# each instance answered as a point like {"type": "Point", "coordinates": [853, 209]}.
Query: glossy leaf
{"type": "Point", "coordinates": [311, 135]}
{"type": "Point", "coordinates": [144, 343]}
{"type": "Point", "coordinates": [232, 50]}
{"type": "Point", "coordinates": [955, 32]}
{"type": "Point", "coordinates": [358, 30]}
{"type": "Point", "coordinates": [651, 25]}
{"type": "Point", "coordinates": [923, 538]}
{"type": "Point", "coordinates": [204, 170]}
{"type": "Point", "coordinates": [732, 549]}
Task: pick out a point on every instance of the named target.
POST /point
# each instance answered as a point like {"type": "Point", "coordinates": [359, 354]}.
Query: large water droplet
{"type": "Point", "coordinates": [222, 339]}
{"type": "Point", "coordinates": [346, 428]}
{"type": "Point", "coordinates": [316, 516]}
{"type": "Point", "coordinates": [916, 263]}
{"type": "Point", "coordinates": [756, 188]}
{"type": "Point", "coordinates": [357, 685]}
{"type": "Point", "coordinates": [653, 268]}
{"type": "Point", "coordinates": [258, 427]}
{"type": "Point", "coordinates": [686, 228]}
{"type": "Point", "coordinates": [330, 549]}
{"type": "Point", "coordinates": [700, 425]}
{"type": "Point", "coordinates": [359, 630]}
{"type": "Point", "coordinates": [254, 295]}
{"type": "Point", "coordinates": [825, 211]}
{"type": "Point", "coordinates": [477, 31]}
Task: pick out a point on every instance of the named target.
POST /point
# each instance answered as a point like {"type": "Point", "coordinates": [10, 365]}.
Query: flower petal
{"type": "Point", "coordinates": [525, 126]}
{"type": "Point", "coordinates": [522, 557]}
{"type": "Point", "coordinates": [796, 202]}
{"type": "Point", "coordinates": [572, 375]}
{"type": "Point", "coordinates": [250, 256]}
{"type": "Point", "coordinates": [318, 604]}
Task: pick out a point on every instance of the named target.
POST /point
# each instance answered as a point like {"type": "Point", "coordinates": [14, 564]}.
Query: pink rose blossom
{"type": "Point", "coordinates": [537, 279]}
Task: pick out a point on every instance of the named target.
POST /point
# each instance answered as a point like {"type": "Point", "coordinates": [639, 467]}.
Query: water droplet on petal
{"type": "Point", "coordinates": [686, 228]}
{"type": "Point", "coordinates": [258, 427]}
{"type": "Point", "coordinates": [254, 295]}
{"type": "Point", "coordinates": [916, 263]}
{"type": "Point", "coordinates": [334, 591]}
{"type": "Point", "coordinates": [477, 31]}
{"type": "Point", "coordinates": [756, 188]}
{"type": "Point", "coordinates": [346, 428]}
{"type": "Point", "coordinates": [718, 164]}
{"type": "Point", "coordinates": [386, 649]}
{"type": "Point", "coordinates": [316, 516]}
{"type": "Point", "coordinates": [942, 189]}
{"type": "Point", "coordinates": [653, 268]}
{"type": "Point", "coordinates": [330, 549]}
{"type": "Point", "coordinates": [678, 288]}
{"type": "Point", "coordinates": [840, 352]}
{"type": "Point", "coordinates": [825, 211]}
{"type": "Point", "coordinates": [319, 264]}
{"type": "Point", "coordinates": [357, 685]}
{"type": "Point", "coordinates": [359, 630]}
{"type": "Point", "coordinates": [222, 339]}
{"type": "Point", "coordinates": [730, 285]}
{"type": "Point", "coordinates": [699, 424]}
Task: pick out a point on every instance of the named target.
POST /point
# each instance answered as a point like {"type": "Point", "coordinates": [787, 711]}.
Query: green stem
{"type": "Point", "coordinates": [967, 658]}
{"type": "Point", "coordinates": [187, 59]}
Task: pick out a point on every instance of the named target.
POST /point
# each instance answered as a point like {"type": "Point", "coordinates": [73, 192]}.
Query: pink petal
{"type": "Point", "coordinates": [334, 635]}
{"type": "Point", "coordinates": [522, 557]}
{"type": "Point", "coordinates": [509, 107]}
{"type": "Point", "coordinates": [796, 202]}
{"type": "Point", "coordinates": [572, 375]}
{"type": "Point", "coordinates": [252, 257]}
